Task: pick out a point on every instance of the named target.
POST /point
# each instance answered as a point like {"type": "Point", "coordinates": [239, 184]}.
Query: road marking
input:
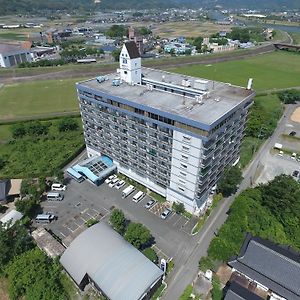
{"type": "Point", "coordinates": [177, 221]}
{"type": "Point", "coordinates": [62, 234]}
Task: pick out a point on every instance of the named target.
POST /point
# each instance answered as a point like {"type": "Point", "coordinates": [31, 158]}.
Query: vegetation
{"type": "Point", "coordinates": [157, 197]}
{"type": "Point", "coordinates": [230, 180]}
{"type": "Point", "coordinates": [216, 292]}
{"type": "Point", "coordinates": [277, 70]}
{"type": "Point", "coordinates": [13, 241]}
{"type": "Point", "coordinates": [68, 124]}
{"type": "Point", "coordinates": [289, 96]}
{"type": "Point", "coordinates": [116, 54]}
{"type": "Point", "coordinates": [245, 35]}
{"type": "Point", "coordinates": [43, 63]}
{"type": "Point", "coordinates": [34, 276]}
{"type": "Point", "coordinates": [38, 98]}
{"type": "Point", "coordinates": [24, 156]}
{"type": "Point", "coordinates": [117, 31]}
{"type": "Point", "coordinates": [158, 292]}
{"type": "Point", "coordinates": [178, 207]}
{"type": "Point", "coordinates": [186, 295]}
{"type": "Point", "coordinates": [118, 221]}
{"type": "Point", "coordinates": [138, 235]}
{"type": "Point", "coordinates": [151, 255]}
{"type": "Point", "coordinates": [270, 211]}
{"type": "Point", "coordinates": [91, 222]}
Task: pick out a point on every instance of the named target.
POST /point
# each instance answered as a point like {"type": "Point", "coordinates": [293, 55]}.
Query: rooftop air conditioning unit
{"type": "Point", "coordinates": [201, 84]}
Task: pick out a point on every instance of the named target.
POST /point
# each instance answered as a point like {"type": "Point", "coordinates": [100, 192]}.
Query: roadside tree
{"type": "Point", "coordinates": [138, 235]}
{"type": "Point", "coordinates": [118, 221]}
{"type": "Point", "coordinates": [230, 180]}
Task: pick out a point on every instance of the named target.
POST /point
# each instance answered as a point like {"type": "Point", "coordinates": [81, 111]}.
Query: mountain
{"type": "Point", "coordinates": [34, 6]}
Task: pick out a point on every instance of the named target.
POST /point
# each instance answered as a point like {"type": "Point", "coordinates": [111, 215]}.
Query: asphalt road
{"type": "Point", "coordinates": [187, 268]}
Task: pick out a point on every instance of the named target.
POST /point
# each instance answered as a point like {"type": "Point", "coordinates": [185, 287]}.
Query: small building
{"type": "Point", "coordinates": [101, 257]}
{"type": "Point", "coordinates": [11, 218]}
{"type": "Point", "coordinates": [135, 36]}
{"type": "Point", "coordinates": [96, 169]}
{"type": "Point", "coordinates": [9, 189]}
{"type": "Point", "coordinates": [12, 55]}
{"type": "Point", "coordinates": [270, 267]}
{"type": "Point", "coordinates": [238, 292]}
{"type": "Point", "coordinates": [46, 242]}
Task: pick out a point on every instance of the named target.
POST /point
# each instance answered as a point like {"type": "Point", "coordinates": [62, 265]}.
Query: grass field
{"type": "Point", "coordinates": [296, 37]}
{"type": "Point", "coordinates": [38, 98]}
{"type": "Point", "coordinates": [33, 156]}
{"type": "Point", "coordinates": [275, 70]}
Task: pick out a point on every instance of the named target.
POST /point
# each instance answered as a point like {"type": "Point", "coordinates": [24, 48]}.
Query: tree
{"type": "Point", "coordinates": [178, 207]}
{"type": "Point", "coordinates": [32, 275]}
{"type": "Point", "coordinates": [2, 163]}
{"type": "Point", "coordinates": [117, 31]}
{"type": "Point", "coordinates": [144, 31]}
{"type": "Point", "coordinates": [67, 124]}
{"type": "Point", "coordinates": [27, 207]}
{"type": "Point", "coordinates": [13, 241]}
{"type": "Point", "coordinates": [118, 221]}
{"type": "Point", "coordinates": [137, 235]}
{"type": "Point", "coordinates": [151, 255]}
{"type": "Point", "coordinates": [116, 54]}
{"type": "Point", "coordinates": [198, 43]}
{"type": "Point", "coordinates": [230, 180]}
{"type": "Point", "coordinates": [59, 176]}
{"type": "Point", "coordinates": [37, 128]}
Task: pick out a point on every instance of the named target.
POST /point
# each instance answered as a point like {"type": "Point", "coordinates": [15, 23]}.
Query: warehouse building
{"type": "Point", "coordinates": [101, 257]}
{"type": "Point", "coordinates": [12, 55]}
{"type": "Point", "coordinates": [172, 133]}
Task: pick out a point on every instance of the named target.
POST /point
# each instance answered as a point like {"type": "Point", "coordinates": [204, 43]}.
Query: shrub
{"type": "Point", "coordinates": [151, 255]}
{"type": "Point", "coordinates": [289, 97]}
{"type": "Point", "coordinates": [118, 221]}
{"type": "Point", "coordinates": [178, 208]}
{"type": "Point", "coordinates": [68, 124]}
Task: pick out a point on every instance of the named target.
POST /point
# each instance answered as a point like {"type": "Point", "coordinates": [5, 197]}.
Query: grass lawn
{"type": "Point", "coordinates": [38, 98]}
{"type": "Point", "coordinates": [5, 133]}
{"type": "Point", "coordinates": [296, 37]}
{"type": "Point", "coordinates": [249, 147]}
{"type": "Point", "coordinates": [33, 156]}
{"type": "Point", "coordinates": [275, 70]}
{"type": "Point", "coordinates": [12, 36]}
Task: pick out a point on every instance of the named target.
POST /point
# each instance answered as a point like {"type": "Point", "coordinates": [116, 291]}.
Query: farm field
{"type": "Point", "coordinates": [277, 70]}
{"type": "Point", "coordinates": [38, 98]}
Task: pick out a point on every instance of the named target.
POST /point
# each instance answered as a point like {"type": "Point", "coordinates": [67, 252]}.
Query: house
{"type": "Point", "coordinates": [269, 267]}
{"type": "Point", "coordinates": [9, 188]}
{"type": "Point", "coordinates": [12, 55]}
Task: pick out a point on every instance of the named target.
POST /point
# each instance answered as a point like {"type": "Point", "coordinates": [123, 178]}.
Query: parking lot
{"type": "Point", "coordinates": [85, 201]}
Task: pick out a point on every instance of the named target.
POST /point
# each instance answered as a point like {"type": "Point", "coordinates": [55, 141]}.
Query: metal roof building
{"type": "Point", "coordinates": [100, 255]}
{"type": "Point", "coordinates": [275, 267]}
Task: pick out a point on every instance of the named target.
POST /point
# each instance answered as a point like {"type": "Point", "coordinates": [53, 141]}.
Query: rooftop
{"type": "Point", "coordinates": [205, 101]}
{"type": "Point", "coordinates": [238, 292]}
{"type": "Point", "coordinates": [271, 265]}
{"type": "Point", "coordinates": [13, 216]}
{"type": "Point", "coordinates": [116, 267]}
{"type": "Point", "coordinates": [6, 48]}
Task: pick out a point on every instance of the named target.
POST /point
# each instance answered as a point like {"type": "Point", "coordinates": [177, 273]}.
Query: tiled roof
{"type": "Point", "coordinates": [132, 49]}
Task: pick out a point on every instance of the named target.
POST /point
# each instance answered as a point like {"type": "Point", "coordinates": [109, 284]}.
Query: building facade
{"type": "Point", "coordinates": [13, 55]}
{"type": "Point", "coordinates": [172, 133]}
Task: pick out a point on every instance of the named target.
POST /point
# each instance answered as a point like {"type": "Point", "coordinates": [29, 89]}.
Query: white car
{"type": "Point", "coordinates": [110, 178]}
{"type": "Point", "coordinates": [120, 184]}
{"type": "Point", "coordinates": [165, 213]}
{"type": "Point", "coordinates": [113, 182]}
{"type": "Point", "coordinates": [58, 187]}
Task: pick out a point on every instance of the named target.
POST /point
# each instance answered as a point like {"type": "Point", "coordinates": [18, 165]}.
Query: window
{"type": "Point", "coordinates": [185, 149]}
{"type": "Point", "coordinates": [186, 139]}
{"type": "Point", "coordinates": [182, 174]}
{"type": "Point", "coordinates": [181, 189]}
{"type": "Point", "coordinates": [184, 157]}
{"type": "Point", "coordinates": [125, 72]}
{"type": "Point", "coordinates": [183, 166]}
{"type": "Point", "coordinates": [124, 61]}
{"type": "Point", "coordinates": [182, 181]}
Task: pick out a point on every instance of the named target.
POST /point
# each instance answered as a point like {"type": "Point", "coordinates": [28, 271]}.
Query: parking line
{"type": "Point", "coordinates": [171, 216]}
{"type": "Point", "coordinates": [177, 220]}
{"type": "Point", "coordinates": [62, 234]}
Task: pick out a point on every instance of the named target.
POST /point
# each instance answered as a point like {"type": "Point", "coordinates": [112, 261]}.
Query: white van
{"type": "Point", "coordinates": [58, 187]}
{"type": "Point", "coordinates": [128, 191]}
{"type": "Point", "coordinates": [55, 197]}
{"type": "Point", "coordinates": [138, 197]}
{"type": "Point", "coordinates": [44, 218]}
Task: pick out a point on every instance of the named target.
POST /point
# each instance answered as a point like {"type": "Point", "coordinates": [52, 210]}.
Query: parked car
{"type": "Point", "coordinates": [113, 182]}
{"type": "Point", "coordinates": [149, 204]}
{"type": "Point", "coordinates": [165, 213]}
{"type": "Point", "coordinates": [58, 187]}
{"type": "Point", "coordinates": [120, 184]}
{"type": "Point", "coordinates": [295, 174]}
{"type": "Point", "coordinates": [110, 178]}
{"type": "Point", "coordinates": [292, 133]}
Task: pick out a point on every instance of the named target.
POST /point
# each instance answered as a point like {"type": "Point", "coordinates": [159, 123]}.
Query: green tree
{"type": "Point", "coordinates": [137, 235]}
{"type": "Point", "coordinates": [230, 180]}
{"type": "Point", "coordinates": [13, 241]}
{"type": "Point", "coordinates": [289, 97]}
{"type": "Point", "coordinates": [151, 255]}
{"type": "Point", "coordinates": [68, 124]}
{"type": "Point", "coordinates": [118, 221]}
{"type": "Point", "coordinates": [198, 43]}
{"type": "Point", "coordinates": [27, 206]}
{"type": "Point", "coordinates": [116, 54]}
{"type": "Point", "coordinates": [35, 276]}
{"type": "Point", "coordinates": [117, 31]}
{"type": "Point", "coordinates": [144, 31]}
{"type": "Point", "coordinates": [178, 207]}
{"type": "Point", "coordinates": [37, 128]}
{"type": "Point", "coordinates": [2, 163]}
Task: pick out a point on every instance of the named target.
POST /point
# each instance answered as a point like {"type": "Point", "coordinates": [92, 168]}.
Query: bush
{"type": "Point", "coordinates": [178, 208]}
{"type": "Point", "coordinates": [151, 255]}
{"type": "Point", "coordinates": [289, 97]}
{"type": "Point", "coordinates": [68, 124]}
{"type": "Point", "coordinates": [186, 295]}
{"type": "Point", "coordinates": [216, 292]}
{"type": "Point", "coordinates": [206, 263]}
{"type": "Point", "coordinates": [2, 163]}
{"type": "Point", "coordinates": [91, 222]}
